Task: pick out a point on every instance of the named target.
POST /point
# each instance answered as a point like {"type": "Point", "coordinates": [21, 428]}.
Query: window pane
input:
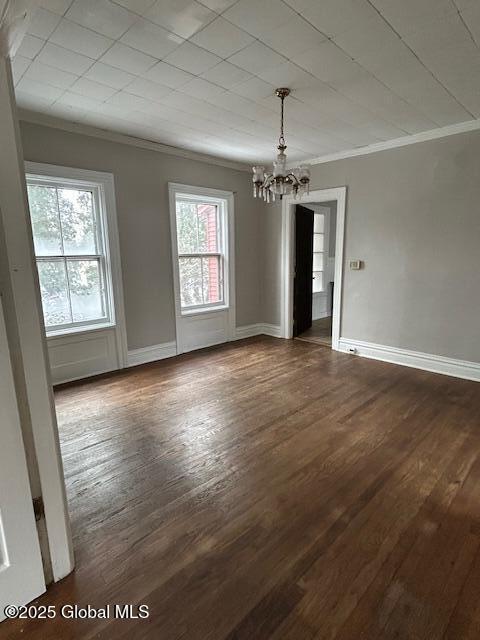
{"type": "Point", "coordinates": [317, 281]}
{"type": "Point", "coordinates": [191, 283]}
{"type": "Point", "coordinates": [318, 262]}
{"type": "Point", "coordinates": [78, 221]}
{"type": "Point", "coordinates": [197, 227]}
{"type": "Point", "coordinates": [86, 291]}
{"type": "Point", "coordinates": [53, 287]}
{"type": "Point", "coordinates": [318, 239]}
{"type": "Point", "coordinates": [212, 290]}
{"type": "Point", "coordinates": [207, 228]}
{"type": "Point", "coordinates": [45, 221]}
{"type": "Point", "coordinates": [318, 222]}
{"type": "Point", "coordinates": [187, 230]}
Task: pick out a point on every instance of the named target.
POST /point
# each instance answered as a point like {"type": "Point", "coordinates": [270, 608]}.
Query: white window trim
{"type": "Point", "coordinates": [223, 203]}
{"type": "Point", "coordinates": [214, 195]}
{"type": "Point", "coordinates": [106, 193]}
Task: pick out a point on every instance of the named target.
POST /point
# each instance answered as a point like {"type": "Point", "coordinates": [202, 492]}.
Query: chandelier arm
{"type": "Point", "coordinates": [293, 178]}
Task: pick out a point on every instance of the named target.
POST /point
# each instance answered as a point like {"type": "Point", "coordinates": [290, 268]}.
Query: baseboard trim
{"type": "Point", "coordinates": [151, 354]}
{"type": "Point", "coordinates": [416, 359]}
{"type": "Point", "coordinates": [85, 377]}
{"type": "Point", "coordinates": [261, 328]}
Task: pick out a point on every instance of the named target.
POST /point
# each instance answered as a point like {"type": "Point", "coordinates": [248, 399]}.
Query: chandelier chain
{"type": "Point", "coordinates": [281, 140]}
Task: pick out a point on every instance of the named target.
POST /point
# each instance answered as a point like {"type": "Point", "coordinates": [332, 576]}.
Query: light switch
{"type": "Point", "coordinates": [356, 265]}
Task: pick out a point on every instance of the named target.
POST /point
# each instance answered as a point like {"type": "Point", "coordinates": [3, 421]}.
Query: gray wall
{"type": "Point", "coordinates": [271, 265]}
{"type": "Point", "coordinates": [413, 216]}
{"type": "Point", "coordinates": [141, 186]}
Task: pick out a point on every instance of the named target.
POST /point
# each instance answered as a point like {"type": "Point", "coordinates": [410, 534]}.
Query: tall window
{"type": "Point", "coordinates": [68, 232]}
{"type": "Point", "coordinates": [201, 251]}
{"type": "Point", "coordinates": [318, 252]}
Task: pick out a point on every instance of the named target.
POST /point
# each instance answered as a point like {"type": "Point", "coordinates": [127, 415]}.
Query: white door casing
{"type": "Point", "coordinates": [26, 307]}
{"type": "Point", "coordinates": [21, 570]}
{"type": "Point", "coordinates": [205, 327]}
{"type": "Point", "coordinates": [339, 195]}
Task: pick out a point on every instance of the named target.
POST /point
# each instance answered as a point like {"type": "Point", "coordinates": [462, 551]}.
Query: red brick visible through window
{"type": "Point", "coordinates": [210, 212]}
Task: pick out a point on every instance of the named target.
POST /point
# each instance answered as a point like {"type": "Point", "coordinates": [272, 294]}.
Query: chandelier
{"type": "Point", "coordinates": [281, 181]}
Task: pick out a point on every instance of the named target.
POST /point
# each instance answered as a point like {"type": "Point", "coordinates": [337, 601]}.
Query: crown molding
{"type": "Point", "coordinates": [121, 138]}
{"type": "Point", "coordinates": [424, 136]}
{"type": "Point", "coordinates": [112, 136]}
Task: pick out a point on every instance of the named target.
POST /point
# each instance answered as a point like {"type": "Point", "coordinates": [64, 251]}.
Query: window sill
{"type": "Point", "coordinates": [51, 335]}
{"type": "Point", "coordinates": [202, 310]}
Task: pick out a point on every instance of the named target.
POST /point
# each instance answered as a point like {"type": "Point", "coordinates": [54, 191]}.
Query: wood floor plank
{"type": "Point", "coordinates": [374, 609]}
{"type": "Point", "coordinates": [271, 489]}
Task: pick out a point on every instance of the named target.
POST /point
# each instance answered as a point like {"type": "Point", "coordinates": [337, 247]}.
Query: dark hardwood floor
{"type": "Point", "coordinates": [271, 489]}
{"type": "Point", "coordinates": [320, 332]}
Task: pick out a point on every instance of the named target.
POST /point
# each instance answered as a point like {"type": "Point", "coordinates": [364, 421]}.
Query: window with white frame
{"type": "Point", "coordinates": [318, 253]}
{"type": "Point", "coordinates": [69, 226]}
{"type": "Point", "coordinates": [201, 247]}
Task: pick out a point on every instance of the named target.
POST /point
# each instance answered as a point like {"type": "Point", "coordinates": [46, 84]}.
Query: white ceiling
{"type": "Point", "coordinates": [202, 75]}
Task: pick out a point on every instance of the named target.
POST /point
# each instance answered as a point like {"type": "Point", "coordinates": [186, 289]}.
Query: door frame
{"type": "Point", "coordinates": [26, 308]}
{"type": "Point", "coordinates": [230, 306]}
{"type": "Point", "coordinates": [18, 534]}
{"type": "Point", "coordinates": [338, 194]}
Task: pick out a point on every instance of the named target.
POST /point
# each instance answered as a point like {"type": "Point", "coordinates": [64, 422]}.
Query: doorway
{"type": "Point", "coordinates": [312, 266]}
{"type": "Point", "coordinates": [314, 276]}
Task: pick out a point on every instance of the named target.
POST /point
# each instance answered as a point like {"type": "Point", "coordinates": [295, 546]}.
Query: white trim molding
{"type": "Point", "coordinates": [26, 309]}
{"type": "Point", "coordinates": [423, 136]}
{"type": "Point", "coordinates": [152, 353]}
{"type": "Point", "coordinates": [259, 329]}
{"type": "Point", "coordinates": [122, 138]}
{"type": "Point", "coordinates": [338, 194]}
{"type": "Point", "coordinates": [416, 359]}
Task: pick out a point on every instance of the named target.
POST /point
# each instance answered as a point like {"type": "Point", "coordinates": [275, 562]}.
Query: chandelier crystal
{"type": "Point", "coordinates": [281, 181]}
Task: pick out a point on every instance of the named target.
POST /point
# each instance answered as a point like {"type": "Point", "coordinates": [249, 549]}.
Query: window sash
{"type": "Point", "coordinates": [103, 291]}
{"type": "Point", "coordinates": [207, 254]}
{"type": "Point", "coordinates": [218, 216]}
{"type": "Point", "coordinates": [221, 282]}
{"type": "Point", "coordinates": [75, 256]}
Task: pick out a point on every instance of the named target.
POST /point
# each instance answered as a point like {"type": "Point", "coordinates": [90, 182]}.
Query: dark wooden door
{"type": "Point", "coordinates": [303, 283]}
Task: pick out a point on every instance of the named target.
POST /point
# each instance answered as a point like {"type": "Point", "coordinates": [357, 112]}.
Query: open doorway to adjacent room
{"type": "Point", "coordinates": [312, 266]}
{"type": "Point", "coordinates": [314, 280]}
